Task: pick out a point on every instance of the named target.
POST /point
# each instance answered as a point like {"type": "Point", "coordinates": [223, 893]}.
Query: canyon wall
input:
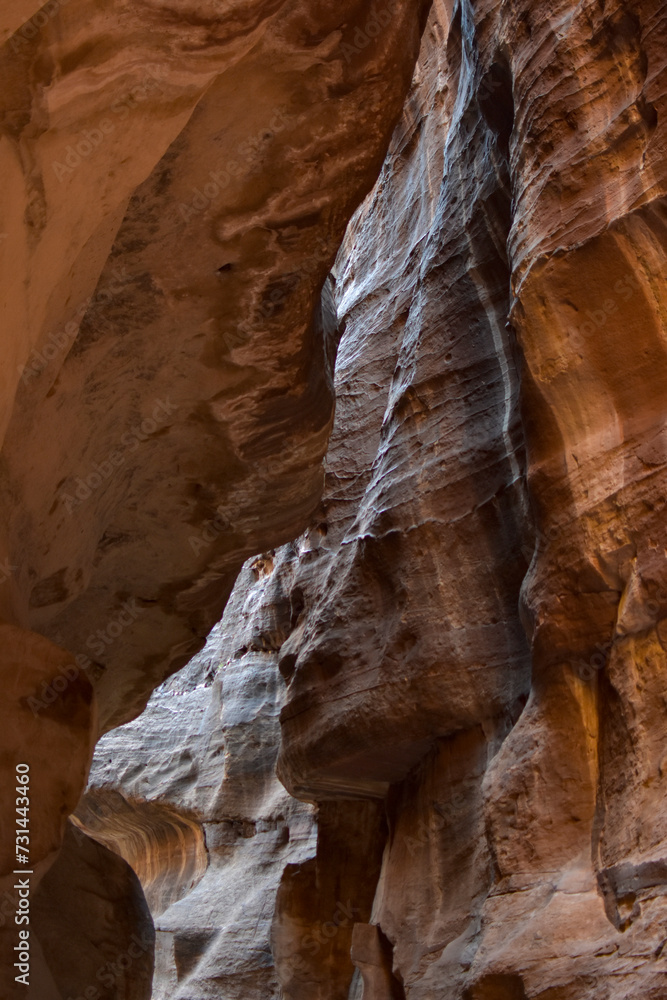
{"type": "Point", "coordinates": [177, 182]}
{"type": "Point", "coordinates": [481, 642]}
{"type": "Point", "coordinates": [482, 636]}
{"type": "Point", "coordinates": [421, 755]}
{"type": "Point", "coordinates": [187, 794]}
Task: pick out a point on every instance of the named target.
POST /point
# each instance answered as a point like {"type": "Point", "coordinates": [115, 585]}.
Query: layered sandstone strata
{"type": "Point", "coordinates": [177, 181]}
{"type": "Point", "coordinates": [466, 646]}
{"type": "Point", "coordinates": [187, 794]}
{"type": "Point", "coordinates": [495, 502]}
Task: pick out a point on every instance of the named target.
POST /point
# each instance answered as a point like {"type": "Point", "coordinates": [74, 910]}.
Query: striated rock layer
{"type": "Point", "coordinates": [177, 182]}
{"type": "Point", "coordinates": [481, 638]}
{"type": "Point", "coordinates": [472, 629]}
{"type": "Point", "coordinates": [465, 649]}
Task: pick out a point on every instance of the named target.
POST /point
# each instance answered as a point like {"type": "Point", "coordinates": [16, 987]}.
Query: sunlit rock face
{"type": "Point", "coordinates": [177, 180]}
{"type": "Point", "coordinates": [188, 795]}
{"type": "Point", "coordinates": [410, 626]}
{"type": "Point", "coordinates": [481, 596]}
{"type": "Point", "coordinates": [456, 661]}
{"type": "Point", "coordinates": [177, 184]}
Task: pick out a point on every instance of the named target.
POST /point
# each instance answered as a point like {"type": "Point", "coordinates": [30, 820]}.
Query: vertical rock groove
{"type": "Point", "coordinates": [343, 343]}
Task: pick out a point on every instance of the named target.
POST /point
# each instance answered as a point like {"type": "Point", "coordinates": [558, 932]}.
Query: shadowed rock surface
{"type": "Point", "coordinates": [93, 923]}
{"type": "Point", "coordinates": [177, 182]}
{"type": "Point", "coordinates": [188, 795]}
{"type": "Point", "coordinates": [189, 178]}
{"type": "Point", "coordinates": [457, 669]}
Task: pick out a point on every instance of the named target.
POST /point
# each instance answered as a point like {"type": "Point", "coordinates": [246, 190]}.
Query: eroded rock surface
{"type": "Point", "coordinates": [495, 500]}
{"type": "Point", "coordinates": [93, 924]}
{"type": "Point", "coordinates": [189, 177]}
{"type": "Point", "coordinates": [477, 608]}
{"type": "Point", "coordinates": [177, 181]}
{"type": "Point", "coordinates": [187, 794]}
{"type": "Point", "coordinates": [465, 649]}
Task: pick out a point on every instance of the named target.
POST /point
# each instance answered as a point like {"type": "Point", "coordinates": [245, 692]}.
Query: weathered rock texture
{"type": "Point", "coordinates": [188, 178]}
{"type": "Point", "coordinates": [481, 629]}
{"type": "Point", "coordinates": [93, 923]}
{"type": "Point", "coordinates": [177, 180]}
{"type": "Point", "coordinates": [188, 795]}
{"type": "Point", "coordinates": [466, 647]}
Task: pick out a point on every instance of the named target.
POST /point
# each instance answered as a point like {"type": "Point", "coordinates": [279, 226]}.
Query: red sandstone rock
{"type": "Point", "coordinates": [176, 185]}
{"type": "Point", "coordinates": [501, 305]}
{"type": "Point", "coordinates": [471, 629]}
{"type": "Point", "coordinates": [48, 722]}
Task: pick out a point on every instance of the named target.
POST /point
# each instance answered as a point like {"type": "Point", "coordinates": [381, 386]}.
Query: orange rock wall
{"type": "Point", "coordinates": [465, 646]}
